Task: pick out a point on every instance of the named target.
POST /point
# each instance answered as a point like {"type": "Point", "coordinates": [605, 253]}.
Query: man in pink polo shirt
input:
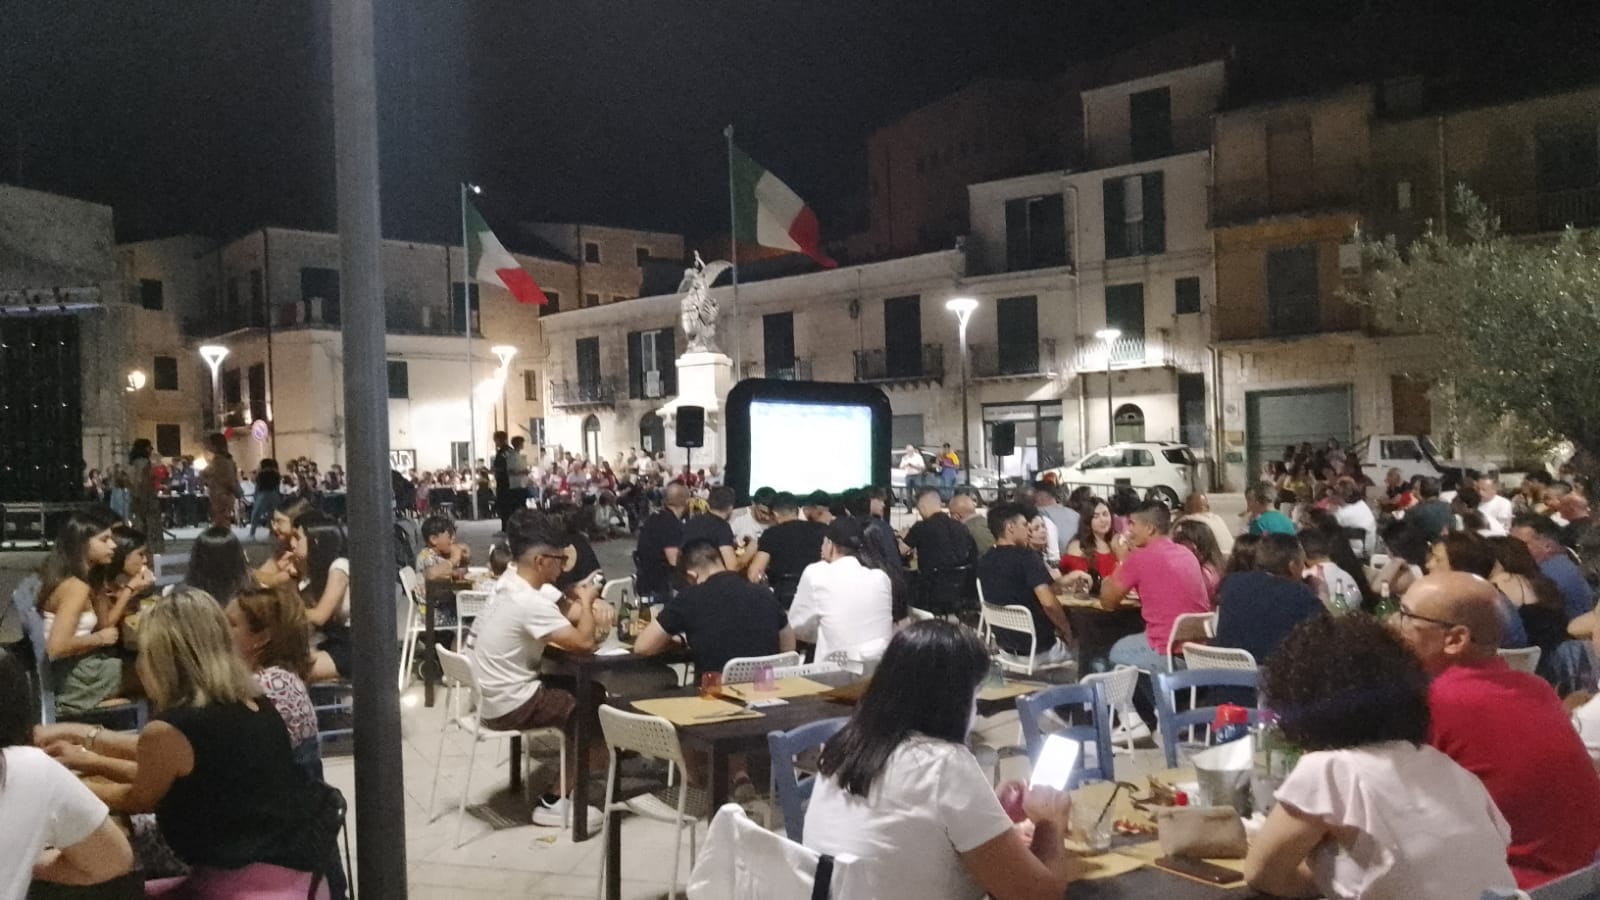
{"type": "Point", "coordinates": [1169, 581]}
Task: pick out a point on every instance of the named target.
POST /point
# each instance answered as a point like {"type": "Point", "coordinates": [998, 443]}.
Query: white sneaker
{"type": "Point", "coordinates": [550, 815]}
{"type": "Point", "coordinates": [1135, 730]}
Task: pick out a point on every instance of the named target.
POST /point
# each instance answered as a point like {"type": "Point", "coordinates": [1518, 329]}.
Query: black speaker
{"type": "Point", "coordinates": [691, 430]}
{"type": "Point", "coordinates": [1003, 440]}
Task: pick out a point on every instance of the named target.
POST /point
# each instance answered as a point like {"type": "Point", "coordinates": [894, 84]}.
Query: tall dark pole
{"type": "Point", "coordinates": [380, 789]}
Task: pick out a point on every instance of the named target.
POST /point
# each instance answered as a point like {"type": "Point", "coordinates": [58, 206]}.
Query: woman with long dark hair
{"type": "Point", "coordinates": [45, 806]}
{"type": "Point", "coordinates": [1199, 540]}
{"type": "Point", "coordinates": [1342, 555]}
{"type": "Point", "coordinates": [217, 565]}
{"type": "Point", "coordinates": [319, 548]}
{"type": "Point", "coordinates": [281, 567]}
{"type": "Point", "coordinates": [80, 635]}
{"type": "Point", "coordinates": [128, 576]}
{"type": "Point", "coordinates": [1089, 551]}
{"type": "Point", "coordinates": [899, 789]}
{"type": "Point", "coordinates": [842, 604]}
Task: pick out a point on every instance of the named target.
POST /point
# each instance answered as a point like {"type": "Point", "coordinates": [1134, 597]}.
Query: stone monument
{"type": "Point", "coordinates": [705, 373]}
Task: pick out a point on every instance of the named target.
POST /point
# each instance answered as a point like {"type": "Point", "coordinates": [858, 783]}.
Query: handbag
{"type": "Point", "coordinates": [1201, 832]}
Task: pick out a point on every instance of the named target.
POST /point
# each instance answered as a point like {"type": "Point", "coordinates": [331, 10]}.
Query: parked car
{"type": "Point", "coordinates": [1413, 455]}
{"type": "Point", "coordinates": [984, 478]}
{"type": "Point", "coordinates": [1165, 468]}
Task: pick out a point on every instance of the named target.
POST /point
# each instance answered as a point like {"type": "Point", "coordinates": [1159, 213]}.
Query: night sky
{"type": "Point", "coordinates": [214, 116]}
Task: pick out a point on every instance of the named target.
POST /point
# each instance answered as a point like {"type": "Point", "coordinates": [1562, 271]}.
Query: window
{"type": "Point", "coordinates": [1102, 459]}
{"type": "Point", "coordinates": [460, 454]}
{"type": "Point", "coordinates": [169, 440]}
{"type": "Point", "coordinates": [777, 344]}
{"type": "Point", "coordinates": [1292, 290]}
{"type": "Point", "coordinates": [1036, 233]}
{"type": "Point", "coordinates": [591, 252]}
{"type": "Point", "coordinates": [399, 380]}
{"type": "Point", "coordinates": [1135, 215]}
{"type": "Point", "coordinates": [591, 300]}
{"type": "Point", "coordinates": [166, 368]}
{"type": "Point", "coordinates": [1179, 457]}
{"type": "Point", "coordinates": [1399, 450]}
{"type": "Point", "coordinates": [320, 284]}
{"type": "Point", "coordinates": [458, 308]}
{"type": "Point", "coordinates": [150, 290]}
{"type": "Point", "coordinates": [902, 330]}
{"type": "Point", "coordinates": [641, 255]}
{"type": "Point", "coordinates": [652, 433]}
{"type": "Point", "coordinates": [258, 392]}
{"type": "Point", "coordinates": [1186, 295]}
{"type": "Point", "coordinates": [555, 302]}
{"type": "Point", "coordinates": [1402, 196]}
{"type": "Point", "coordinates": [652, 371]}
{"type": "Point", "coordinates": [905, 431]}
{"type": "Point", "coordinates": [530, 385]}
{"type": "Point", "coordinates": [232, 387]}
{"type": "Point", "coordinates": [1017, 335]}
{"type": "Point", "coordinates": [1150, 124]}
{"type": "Point", "coordinates": [588, 351]}
{"type": "Point", "coordinates": [1129, 420]}
{"type": "Point", "coordinates": [1125, 312]}
{"type": "Point", "coordinates": [1191, 410]}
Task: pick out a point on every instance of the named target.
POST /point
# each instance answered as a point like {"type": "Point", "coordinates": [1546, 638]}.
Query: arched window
{"type": "Point", "coordinates": [1129, 422]}
{"type": "Point", "coordinates": [591, 438]}
{"type": "Point", "coordinates": [652, 433]}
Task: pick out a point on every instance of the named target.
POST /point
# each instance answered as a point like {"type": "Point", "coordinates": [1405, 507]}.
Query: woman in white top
{"type": "Point", "coordinates": [318, 548]}
{"type": "Point", "coordinates": [55, 828]}
{"type": "Point", "coordinates": [846, 601]}
{"type": "Point", "coordinates": [1371, 810]}
{"type": "Point", "coordinates": [899, 789]}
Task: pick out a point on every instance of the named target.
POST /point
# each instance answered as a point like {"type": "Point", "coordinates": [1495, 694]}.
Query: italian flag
{"type": "Point", "coordinates": [490, 264]}
{"type": "Point", "coordinates": [768, 213]}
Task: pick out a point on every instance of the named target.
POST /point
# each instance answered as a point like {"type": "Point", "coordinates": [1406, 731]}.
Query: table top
{"type": "Point", "coordinates": [568, 662]}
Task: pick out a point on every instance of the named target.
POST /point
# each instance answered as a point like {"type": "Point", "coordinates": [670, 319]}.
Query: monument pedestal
{"type": "Point", "coordinates": [704, 380]}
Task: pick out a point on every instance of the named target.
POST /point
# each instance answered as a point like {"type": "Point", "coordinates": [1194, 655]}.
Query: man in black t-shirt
{"type": "Point", "coordinates": [943, 547]}
{"type": "Point", "coordinates": [786, 549]}
{"type": "Point", "coordinates": [656, 555]}
{"type": "Point", "coordinates": [713, 526]}
{"type": "Point", "coordinates": [720, 615]}
{"type": "Point", "coordinates": [1013, 574]}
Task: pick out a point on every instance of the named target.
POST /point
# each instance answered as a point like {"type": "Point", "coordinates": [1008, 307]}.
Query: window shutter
{"type": "Point", "coordinates": [1115, 245]}
{"type": "Point", "coordinates": [667, 358]}
{"type": "Point", "coordinates": [635, 365]}
{"type": "Point", "coordinates": [1155, 214]}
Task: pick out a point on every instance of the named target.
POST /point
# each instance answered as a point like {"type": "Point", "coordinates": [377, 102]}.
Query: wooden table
{"type": "Point", "coordinates": [1096, 629]}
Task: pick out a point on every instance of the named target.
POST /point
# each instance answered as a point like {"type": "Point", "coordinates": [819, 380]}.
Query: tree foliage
{"type": "Point", "coordinates": [1516, 320]}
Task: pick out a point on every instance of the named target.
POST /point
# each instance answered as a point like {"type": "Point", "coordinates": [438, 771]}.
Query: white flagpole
{"type": "Point", "coordinates": [733, 255]}
{"type": "Point", "coordinates": [466, 317]}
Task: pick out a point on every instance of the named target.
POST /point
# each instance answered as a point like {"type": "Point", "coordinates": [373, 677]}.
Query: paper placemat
{"type": "Point", "coordinates": [1105, 865]}
{"type": "Point", "coordinates": [1010, 689]}
{"type": "Point", "coordinates": [689, 711]}
{"type": "Point", "coordinates": [783, 688]}
{"type": "Point", "coordinates": [1150, 851]}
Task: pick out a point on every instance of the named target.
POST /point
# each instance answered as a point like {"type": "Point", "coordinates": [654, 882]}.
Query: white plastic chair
{"type": "Point", "coordinates": [1186, 628]}
{"type": "Point", "coordinates": [469, 605]}
{"type": "Point", "coordinates": [742, 860]}
{"type": "Point", "coordinates": [651, 737]}
{"type": "Point", "coordinates": [411, 588]}
{"type": "Point", "coordinates": [619, 593]}
{"type": "Point", "coordinates": [742, 670]}
{"type": "Point", "coordinates": [1204, 656]}
{"type": "Point", "coordinates": [921, 615]}
{"type": "Point", "coordinates": [1121, 684]}
{"type": "Point", "coordinates": [1522, 659]}
{"type": "Point", "coordinates": [800, 671]}
{"type": "Point", "coordinates": [457, 675]}
{"type": "Point", "coordinates": [1018, 619]}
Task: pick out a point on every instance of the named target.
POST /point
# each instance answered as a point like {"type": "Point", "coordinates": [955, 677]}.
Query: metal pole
{"type": "Point", "coordinates": [1111, 415]}
{"type": "Point", "coordinates": [733, 257]}
{"type": "Point", "coordinates": [380, 787]}
{"type": "Point", "coordinates": [466, 318]}
{"type": "Point", "coordinates": [966, 419]}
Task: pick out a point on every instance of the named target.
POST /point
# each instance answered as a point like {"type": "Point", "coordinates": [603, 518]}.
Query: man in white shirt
{"type": "Point", "coordinates": [840, 603]}
{"type": "Point", "coordinates": [527, 613]}
{"type": "Point", "coordinates": [1497, 509]}
{"type": "Point", "coordinates": [1353, 512]}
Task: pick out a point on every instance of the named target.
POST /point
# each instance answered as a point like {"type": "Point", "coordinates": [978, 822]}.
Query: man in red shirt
{"type": "Point", "coordinates": [1506, 727]}
{"type": "Point", "coordinates": [1166, 575]}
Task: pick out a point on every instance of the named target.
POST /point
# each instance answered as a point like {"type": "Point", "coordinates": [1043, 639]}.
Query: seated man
{"type": "Point", "coordinates": [1544, 542]}
{"type": "Point", "coordinates": [1168, 578]}
{"type": "Point", "coordinates": [1013, 574]}
{"type": "Point", "coordinates": [439, 563]}
{"type": "Point", "coordinates": [507, 641]}
{"type": "Point", "coordinates": [785, 549]}
{"type": "Point", "coordinates": [720, 615]}
{"type": "Point", "coordinates": [712, 525]}
{"type": "Point", "coordinates": [1506, 727]}
{"type": "Point", "coordinates": [941, 544]}
{"type": "Point", "coordinates": [842, 604]}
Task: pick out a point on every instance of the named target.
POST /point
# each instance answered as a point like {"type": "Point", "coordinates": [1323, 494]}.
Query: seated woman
{"type": "Point", "coordinates": [899, 788]}
{"type": "Point", "coordinates": [214, 765]}
{"type": "Point", "coordinates": [1199, 539]}
{"type": "Point", "coordinates": [280, 568]}
{"type": "Point", "coordinates": [1257, 610]}
{"type": "Point", "coordinates": [1089, 551]}
{"type": "Point", "coordinates": [128, 577]}
{"type": "Point", "coordinates": [80, 624]}
{"type": "Point", "coordinates": [217, 565]}
{"type": "Point", "coordinates": [1408, 553]}
{"type": "Point", "coordinates": [1371, 810]}
{"type": "Point", "coordinates": [1536, 598]}
{"type": "Point", "coordinates": [325, 588]}
{"type": "Point", "coordinates": [56, 829]}
{"type": "Point", "coordinates": [270, 633]}
{"type": "Point", "coordinates": [1463, 551]}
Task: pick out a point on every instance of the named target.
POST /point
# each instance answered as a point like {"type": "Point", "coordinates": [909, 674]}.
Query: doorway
{"type": "Point", "coordinates": [652, 433]}
{"type": "Point", "coordinates": [591, 438]}
{"type": "Point", "coordinates": [1038, 433]}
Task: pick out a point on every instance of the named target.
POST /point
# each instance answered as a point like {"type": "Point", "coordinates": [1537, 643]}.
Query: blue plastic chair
{"type": "Point", "coordinates": [792, 790]}
{"type": "Point", "coordinates": [25, 599]}
{"type": "Point", "coordinates": [1032, 707]}
{"type": "Point", "coordinates": [1171, 722]}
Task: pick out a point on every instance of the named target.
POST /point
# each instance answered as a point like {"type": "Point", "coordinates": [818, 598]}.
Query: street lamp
{"type": "Point", "coordinates": [214, 354]}
{"type": "Point", "coordinates": [1109, 335]}
{"type": "Point", "coordinates": [505, 353]}
{"type": "Point", "coordinates": [964, 307]}
{"type": "Point", "coordinates": [136, 381]}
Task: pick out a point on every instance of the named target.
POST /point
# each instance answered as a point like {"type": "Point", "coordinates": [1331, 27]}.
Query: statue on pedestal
{"type": "Point", "coordinates": [698, 309]}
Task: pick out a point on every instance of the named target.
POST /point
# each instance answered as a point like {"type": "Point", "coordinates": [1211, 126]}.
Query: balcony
{"type": "Point", "coordinates": [1000, 362]}
{"type": "Point", "coordinates": [880, 367]}
{"type": "Point", "coordinates": [778, 369]}
{"type": "Point", "coordinates": [1548, 211]}
{"type": "Point", "coordinates": [1327, 189]}
{"type": "Point", "coordinates": [1131, 351]}
{"type": "Point", "coordinates": [1263, 318]}
{"type": "Point", "coordinates": [583, 392]}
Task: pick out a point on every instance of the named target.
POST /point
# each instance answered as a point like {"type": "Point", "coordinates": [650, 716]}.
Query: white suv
{"type": "Point", "coordinates": [1164, 467]}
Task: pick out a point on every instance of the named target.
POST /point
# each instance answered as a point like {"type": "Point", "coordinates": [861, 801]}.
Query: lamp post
{"type": "Point", "coordinates": [214, 354]}
{"type": "Point", "coordinates": [964, 307]}
{"type": "Point", "coordinates": [505, 353]}
{"type": "Point", "coordinates": [136, 383]}
{"type": "Point", "coordinates": [1109, 335]}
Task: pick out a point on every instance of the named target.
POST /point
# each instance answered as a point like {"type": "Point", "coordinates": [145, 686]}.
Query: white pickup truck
{"type": "Point", "coordinates": [1412, 454]}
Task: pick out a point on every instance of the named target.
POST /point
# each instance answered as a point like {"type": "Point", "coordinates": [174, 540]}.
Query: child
{"type": "Point", "coordinates": [438, 564]}
{"type": "Point", "coordinates": [499, 560]}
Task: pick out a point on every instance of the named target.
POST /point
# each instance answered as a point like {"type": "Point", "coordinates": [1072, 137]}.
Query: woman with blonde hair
{"type": "Point", "coordinates": [270, 633]}
{"type": "Point", "coordinates": [214, 764]}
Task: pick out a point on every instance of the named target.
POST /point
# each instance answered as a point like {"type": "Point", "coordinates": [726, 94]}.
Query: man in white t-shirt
{"type": "Point", "coordinates": [1353, 512]}
{"type": "Point", "coordinates": [55, 829]}
{"type": "Point", "coordinates": [527, 613]}
{"type": "Point", "coordinates": [1497, 509]}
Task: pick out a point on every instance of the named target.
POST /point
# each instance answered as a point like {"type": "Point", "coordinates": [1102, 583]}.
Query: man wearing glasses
{"type": "Point", "coordinates": [1506, 727]}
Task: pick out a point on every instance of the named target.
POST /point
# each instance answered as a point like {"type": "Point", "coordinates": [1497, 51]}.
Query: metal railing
{"type": "Point", "coordinates": [1013, 360]}
{"type": "Point", "coordinates": [1294, 314]}
{"type": "Point", "coordinates": [596, 392]}
{"type": "Point", "coordinates": [1549, 211]}
{"type": "Point", "coordinates": [796, 369]}
{"type": "Point", "coordinates": [1321, 188]}
{"type": "Point", "coordinates": [880, 366]}
{"type": "Point", "coordinates": [1131, 351]}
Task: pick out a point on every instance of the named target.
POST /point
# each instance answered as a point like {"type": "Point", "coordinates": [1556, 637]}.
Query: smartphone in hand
{"type": "Point", "coordinates": [1057, 761]}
